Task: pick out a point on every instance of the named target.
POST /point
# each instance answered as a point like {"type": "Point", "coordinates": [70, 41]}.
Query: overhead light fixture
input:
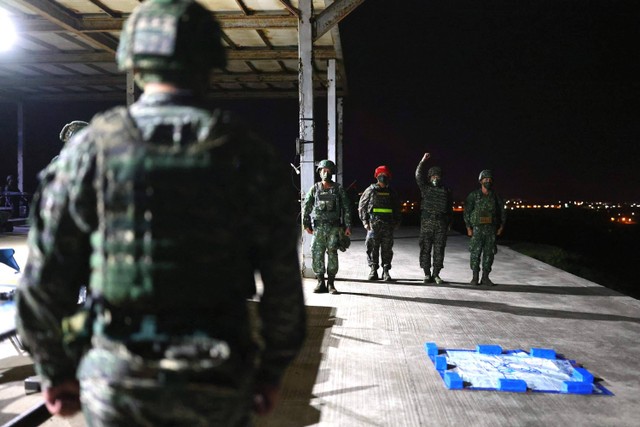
{"type": "Point", "coordinates": [8, 35]}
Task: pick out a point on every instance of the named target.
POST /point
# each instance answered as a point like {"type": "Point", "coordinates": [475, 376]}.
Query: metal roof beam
{"type": "Point", "coordinates": [120, 80]}
{"type": "Point", "coordinates": [333, 14]}
{"type": "Point", "coordinates": [51, 11]}
{"type": "Point", "coordinates": [101, 25]}
{"type": "Point", "coordinates": [319, 52]}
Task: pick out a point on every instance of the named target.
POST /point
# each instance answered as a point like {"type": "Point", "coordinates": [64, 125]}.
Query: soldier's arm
{"type": "Point", "coordinates": [469, 205]}
{"type": "Point", "coordinates": [57, 266]}
{"type": "Point", "coordinates": [364, 206]}
{"type": "Point", "coordinates": [346, 207]}
{"type": "Point", "coordinates": [307, 207]}
{"type": "Point", "coordinates": [420, 176]}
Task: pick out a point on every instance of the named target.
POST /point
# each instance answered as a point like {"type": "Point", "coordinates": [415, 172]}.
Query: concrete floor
{"type": "Point", "coordinates": [364, 362]}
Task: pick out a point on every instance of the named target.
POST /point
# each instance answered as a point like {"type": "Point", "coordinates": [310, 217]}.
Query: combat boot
{"type": "Point", "coordinates": [427, 276]}
{"type": "Point", "coordinates": [331, 285]}
{"type": "Point", "coordinates": [320, 287]}
{"type": "Point", "coordinates": [373, 275]}
{"type": "Point", "coordinates": [385, 274]}
{"type": "Point", "coordinates": [485, 279]}
{"type": "Point", "coordinates": [436, 276]}
{"type": "Point", "coordinates": [475, 280]}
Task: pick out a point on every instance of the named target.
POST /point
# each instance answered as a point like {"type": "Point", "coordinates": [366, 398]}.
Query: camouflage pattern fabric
{"type": "Point", "coordinates": [325, 241]}
{"type": "Point", "coordinates": [433, 235]}
{"type": "Point", "coordinates": [323, 211]}
{"type": "Point", "coordinates": [436, 216]}
{"type": "Point", "coordinates": [484, 214]}
{"type": "Point", "coordinates": [380, 208]}
{"type": "Point", "coordinates": [482, 245]}
{"type": "Point", "coordinates": [186, 251]}
{"type": "Point", "coordinates": [379, 243]}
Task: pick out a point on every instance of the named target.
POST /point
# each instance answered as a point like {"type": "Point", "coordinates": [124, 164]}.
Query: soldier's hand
{"type": "Point", "coordinates": [470, 232]}
{"type": "Point", "coordinates": [426, 156]}
{"type": "Point", "coordinates": [347, 231]}
{"type": "Point", "coordinates": [500, 231]}
{"type": "Point", "coordinates": [367, 226]}
{"type": "Point", "coordinates": [310, 231]}
{"type": "Point", "coordinates": [265, 398]}
{"type": "Point", "coordinates": [63, 399]}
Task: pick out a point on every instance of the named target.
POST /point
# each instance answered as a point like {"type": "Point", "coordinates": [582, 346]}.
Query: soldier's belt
{"type": "Point", "coordinates": [486, 220]}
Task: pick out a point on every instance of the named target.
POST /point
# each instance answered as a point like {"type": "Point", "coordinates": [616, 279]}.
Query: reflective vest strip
{"type": "Point", "coordinates": [382, 210]}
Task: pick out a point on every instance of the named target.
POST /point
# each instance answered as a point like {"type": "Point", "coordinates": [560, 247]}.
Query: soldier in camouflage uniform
{"type": "Point", "coordinates": [435, 221]}
{"type": "Point", "coordinates": [484, 217]}
{"type": "Point", "coordinates": [379, 210]}
{"type": "Point", "coordinates": [325, 211]}
{"type": "Point", "coordinates": [168, 337]}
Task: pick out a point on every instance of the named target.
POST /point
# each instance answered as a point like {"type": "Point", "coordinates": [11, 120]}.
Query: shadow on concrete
{"type": "Point", "coordinates": [295, 408]}
{"type": "Point", "coordinates": [507, 308]}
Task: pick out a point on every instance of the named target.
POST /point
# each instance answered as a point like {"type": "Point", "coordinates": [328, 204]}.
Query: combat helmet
{"type": "Point", "coordinates": [165, 36]}
{"type": "Point", "coordinates": [485, 174]}
{"type": "Point", "coordinates": [327, 164]}
{"type": "Point", "coordinates": [434, 170]}
{"type": "Point", "coordinates": [71, 128]}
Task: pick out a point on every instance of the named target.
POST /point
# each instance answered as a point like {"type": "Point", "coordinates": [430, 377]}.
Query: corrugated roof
{"type": "Point", "coordinates": [66, 48]}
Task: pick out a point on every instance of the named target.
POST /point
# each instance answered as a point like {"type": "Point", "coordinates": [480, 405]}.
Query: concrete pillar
{"type": "Point", "coordinates": [306, 123]}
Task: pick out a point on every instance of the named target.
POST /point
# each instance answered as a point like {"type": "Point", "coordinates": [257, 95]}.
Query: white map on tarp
{"type": "Point", "coordinates": [484, 370]}
{"type": "Point", "coordinates": [481, 371]}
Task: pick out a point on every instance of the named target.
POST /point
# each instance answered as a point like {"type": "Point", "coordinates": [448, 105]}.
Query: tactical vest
{"type": "Point", "coordinates": [381, 203]}
{"type": "Point", "coordinates": [169, 236]}
{"type": "Point", "coordinates": [485, 211]}
{"type": "Point", "coordinates": [326, 207]}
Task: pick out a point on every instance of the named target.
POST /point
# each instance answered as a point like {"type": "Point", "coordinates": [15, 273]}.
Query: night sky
{"type": "Point", "coordinates": [545, 93]}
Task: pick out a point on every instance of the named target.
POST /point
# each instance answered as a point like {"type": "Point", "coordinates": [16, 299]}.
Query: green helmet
{"type": "Point", "coordinates": [170, 35]}
{"type": "Point", "coordinates": [485, 174]}
{"type": "Point", "coordinates": [435, 170]}
{"type": "Point", "coordinates": [71, 128]}
{"type": "Point", "coordinates": [327, 164]}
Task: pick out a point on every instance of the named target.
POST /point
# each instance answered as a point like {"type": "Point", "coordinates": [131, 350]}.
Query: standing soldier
{"type": "Point", "coordinates": [484, 216]}
{"type": "Point", "coordinates": [437, 214]}
{"type": "Point", "coordinates": [379, 211]}
{"type": "Point", "coordinates": [166, 337]}
{"type": "Point", "coordinates": [326, 210]}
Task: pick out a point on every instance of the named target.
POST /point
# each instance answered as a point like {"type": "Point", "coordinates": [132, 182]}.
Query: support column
{"type": "Point", "coordinates": [20, 171]}
{"type": "Point", "coordinates": [306, 124]}
{"type": "Point", "coordinates": [331, 116]}
{"type": "Point", "coordinates": [339, 142]}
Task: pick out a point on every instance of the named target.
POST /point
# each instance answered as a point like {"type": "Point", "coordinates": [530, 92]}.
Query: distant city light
{"type": "Point", "coordinates": [8, 35]}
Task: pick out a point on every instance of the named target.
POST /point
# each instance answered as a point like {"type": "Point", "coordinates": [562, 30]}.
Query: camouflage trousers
{"type": "Point", "coordinates": [119, 389]}
{"type": "Point", "coordinates": [325, 241]}
{"type": "Point", "coordinates": [379, 242]}
{"type": "Point", "coordinates": [433, 234]}
{"type": "Point", "coordinates": [482, 245]}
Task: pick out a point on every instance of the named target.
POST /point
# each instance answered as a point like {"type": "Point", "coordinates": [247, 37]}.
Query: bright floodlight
{"type": "Point", "coordinates": [8, 34]}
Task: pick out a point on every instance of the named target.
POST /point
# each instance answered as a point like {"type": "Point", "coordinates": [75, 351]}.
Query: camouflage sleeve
{"type": "Point", "coordinates": [282, 310]}
{"type": "Point", "coordinates": [307, 207]}
{"type": "Point", "coordinates": [364, 205]}
{"type": "Point", "coordinates": [57, 264]}
{"type": "Point", "coordinates": [420, 178]}
{"type": "Point", "coordinates": [469, 206]}
{"type": "Point", "coordinates": [346, 207]}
